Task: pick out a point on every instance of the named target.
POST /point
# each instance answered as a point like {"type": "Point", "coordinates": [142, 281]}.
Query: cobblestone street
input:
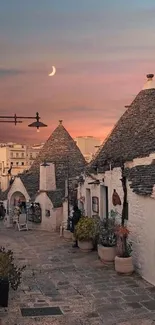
{"type": "Point", "coordinates": [86, 291]}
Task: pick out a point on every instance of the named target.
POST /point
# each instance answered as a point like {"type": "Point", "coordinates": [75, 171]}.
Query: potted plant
{"type": "Point", "coordinates": [107, 241]}
{"type": "Point", "coordinates": [9, 273]}
{"type": "Point", "coordinates": [85, 232]}
{"type": "Point", "coordinates": [123, 260]}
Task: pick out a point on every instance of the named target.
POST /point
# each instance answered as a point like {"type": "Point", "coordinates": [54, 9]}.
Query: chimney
{"type": "Point", "coordinates": [47, 177]}
{"type": "Point", "coordinates": [150, 84]}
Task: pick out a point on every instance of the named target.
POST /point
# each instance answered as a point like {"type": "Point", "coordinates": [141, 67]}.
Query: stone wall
{"type": "Point", "coordinates": [52, 222]}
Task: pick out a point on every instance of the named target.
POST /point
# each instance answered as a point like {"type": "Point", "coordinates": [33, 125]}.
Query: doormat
{"type": "Point", "coordinates": [45, 311]}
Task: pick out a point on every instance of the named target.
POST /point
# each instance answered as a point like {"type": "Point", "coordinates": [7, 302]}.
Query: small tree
{"type": "Point", "coordinates": [8, 269]}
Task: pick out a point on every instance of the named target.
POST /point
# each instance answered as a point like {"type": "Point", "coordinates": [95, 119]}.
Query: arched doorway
{"type": "Point", "coordinates": [18, 199]}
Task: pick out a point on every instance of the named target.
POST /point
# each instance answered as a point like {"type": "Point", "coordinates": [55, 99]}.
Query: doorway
{"type": "Point", "coordinates": [103, 202]}
{"type": "Point", "coordinates": [88, 202]}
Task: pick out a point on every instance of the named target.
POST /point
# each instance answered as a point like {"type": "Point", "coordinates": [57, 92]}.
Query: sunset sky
{"type": "Point", "coordinates": [102, 50]}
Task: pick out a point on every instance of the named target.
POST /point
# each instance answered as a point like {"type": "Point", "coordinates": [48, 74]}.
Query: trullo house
{"type": "Point", "coordinates": [128, 152]}
{"type": "Point", "coordinates": [59, 160]}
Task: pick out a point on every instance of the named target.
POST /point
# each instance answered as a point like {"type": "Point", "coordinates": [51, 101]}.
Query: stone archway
{"type": "Point", "coordinates": [18, 199]}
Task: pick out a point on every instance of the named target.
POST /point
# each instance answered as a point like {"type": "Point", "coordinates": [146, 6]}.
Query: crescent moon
{"type": "Point", "coordinates": [53, 71]}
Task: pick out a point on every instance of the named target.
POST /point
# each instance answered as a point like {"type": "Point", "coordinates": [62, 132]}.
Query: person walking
{"type": "Point", "coordinates": [2, 211]}
{"type": "Point", "coordinates": [75, 219]}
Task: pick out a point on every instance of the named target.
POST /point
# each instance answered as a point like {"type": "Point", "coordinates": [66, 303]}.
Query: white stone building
{"type": "Point", "coordinates": [129, 154]}
{"type": "Point", "coordinates": [45, 181]}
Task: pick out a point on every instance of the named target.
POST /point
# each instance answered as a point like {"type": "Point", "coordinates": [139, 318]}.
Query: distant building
{"type": "Point", "coordinates": [88, 145]}
{"type": "Point", "coordinates": [14, 159]}
{"type": "Point", "coordinates": [32, 153]}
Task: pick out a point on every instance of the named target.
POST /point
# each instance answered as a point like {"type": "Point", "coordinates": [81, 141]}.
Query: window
{"type": "Point", "coordinates": [95, 204]}
{"type": "Point", "coordinates": [22, 163]}
{"type": "Point", "coordinates": [47, 213]}
{"type": "Point", "coordinates": [11, 154]}
{"type": "Point", "coordinates": [17, 163]}
{"type": "Point", "coordinates": [17, 154]}
{"type": "Point", "coordinates": [22, 154]}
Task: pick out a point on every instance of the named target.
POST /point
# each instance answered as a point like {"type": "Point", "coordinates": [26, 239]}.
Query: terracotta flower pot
{"type": "Point", "coordinates": [124, 265]}
{"type": "Point", "coordinates": [107, 254]}
{"type": "Point", "coordinates": [85, 246]}
{"type": "Point", "coordinates": [67, 234]}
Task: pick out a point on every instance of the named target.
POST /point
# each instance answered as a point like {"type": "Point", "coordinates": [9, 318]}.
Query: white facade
{"type": "Point", "coordinates": [54, 220]}
{"type": "Point", "coordinates": [51, 217]}
{"type": "Point", "coordinates": [141, 219]}
{"type": "Point", "coordinates": [47, 177]}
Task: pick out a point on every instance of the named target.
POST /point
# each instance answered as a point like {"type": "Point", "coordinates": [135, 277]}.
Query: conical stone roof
{"type": "Point", "coordinates": [61, 149]}
{"type": "Point", "coordinates": [134, 134]}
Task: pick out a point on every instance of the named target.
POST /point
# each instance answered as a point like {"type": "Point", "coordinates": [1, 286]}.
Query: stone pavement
{"type": "Point", "coordinates": [87, 292]}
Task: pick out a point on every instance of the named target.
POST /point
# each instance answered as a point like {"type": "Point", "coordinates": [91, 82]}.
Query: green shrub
{"type": "Point", "coordinates": [86, 229]}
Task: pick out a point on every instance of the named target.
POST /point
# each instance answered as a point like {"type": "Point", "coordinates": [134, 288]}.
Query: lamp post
{"type": "Point", "coordinates": [18, 119]}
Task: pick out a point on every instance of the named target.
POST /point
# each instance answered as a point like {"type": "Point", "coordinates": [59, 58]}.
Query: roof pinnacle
{"type": "Point", "coordinates": [150, 83]}
{"type": "Point", "coordinates": [60, 122]}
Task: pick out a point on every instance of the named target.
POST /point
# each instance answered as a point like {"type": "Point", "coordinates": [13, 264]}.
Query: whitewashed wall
{"type": "Point", "coordinates": [17, 186]}
{"type": "Point", "coordinates": [141, 223]}
{"type": "Point", "coordinates": [112, 180]}
{"type": "Point", "coordinates": [47, 177]}
{"type": "Point", "coordinates": [141, 219]}
{"type": "Point", "coordinates": [94, 191]}
{"type": "Point", "coordinates": [53, 222]}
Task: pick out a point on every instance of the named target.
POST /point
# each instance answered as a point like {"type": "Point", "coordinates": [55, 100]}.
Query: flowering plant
{"type": "Point", "coordinates": [107, 235]}
{"type": "Point", "coordinates": [124, 247]}
{"type": "Point", "coordinates": [122, 231]}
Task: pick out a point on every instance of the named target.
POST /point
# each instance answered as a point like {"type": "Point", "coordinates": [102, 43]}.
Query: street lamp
{"type": "Point", "coordinates": [14, 119]}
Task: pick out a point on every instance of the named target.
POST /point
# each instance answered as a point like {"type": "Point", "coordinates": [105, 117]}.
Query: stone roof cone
{"type": "Point", "coordinates": [61, 149]}
{"type": "Point", "coordinates": [134, 134]}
